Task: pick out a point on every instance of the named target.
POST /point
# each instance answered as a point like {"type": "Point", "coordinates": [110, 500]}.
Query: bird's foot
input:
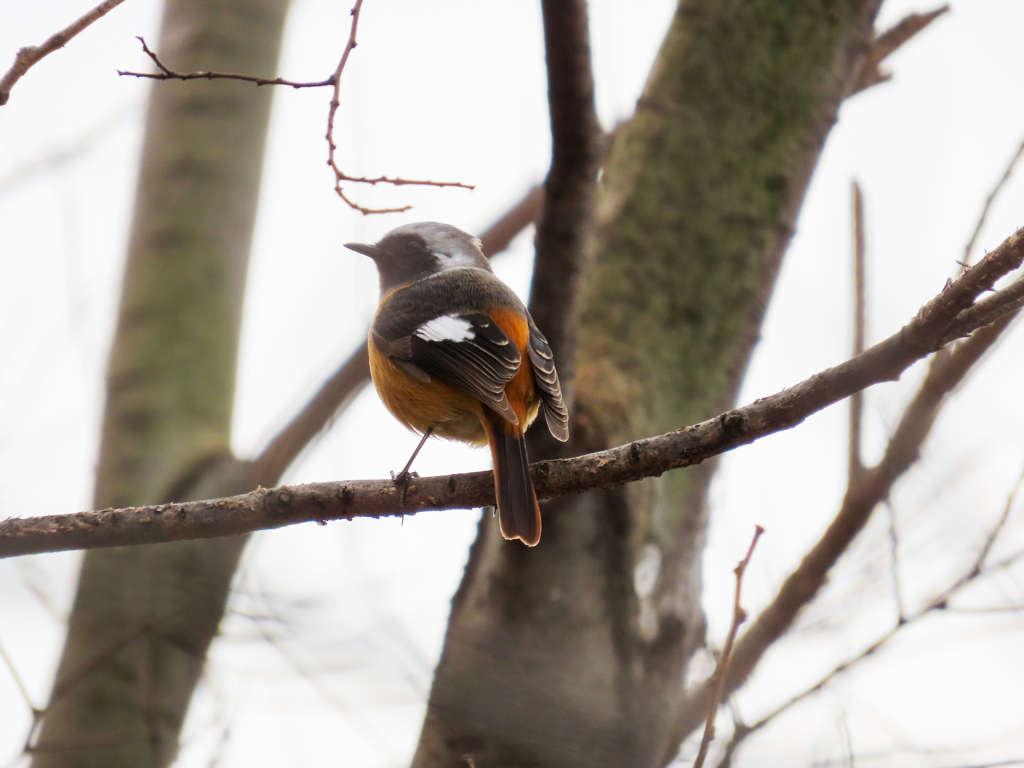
{"type": "Point", "coordinates": [401, 481]}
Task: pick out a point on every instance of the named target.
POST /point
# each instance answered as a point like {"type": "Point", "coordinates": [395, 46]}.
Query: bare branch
{"type": "Point", "coordinates": [887, 43]}
{"type": "Point", "coordinates": [990, 199]}
{"type": "Point", "coordinates": [570, 188]}
{"type": "Point", "coordinates": [990, 309]}
{"type": "Point", "coordinates": [340, 176]}
{"type": "Point", "coordinates": [976, 571]}
{"type": "Point", "coordinates": [948, 370]}
{"type": "Point", "coordinates": [166, 73]}
{"type": "Point", "coordinates": [31, 54]}
{"type": "Point", "coordinates": [334, 81]}
{"type": "Point", "coordinates": [336, 101]}
{"type": "Point", "coordinates": [19, 684]}
{"type": "Point", "coordinates": [354, 373]}
{"type": "Point", "coordinates": [859, 307]}
{"type": "Point", "coordinates": [885, 361]}
{"type": "Point", "coordinates": [722, 668]}
{"type": "Point", "coordinates": [894, 562]}
{"type": "Point", "coordinates": [982, 558]}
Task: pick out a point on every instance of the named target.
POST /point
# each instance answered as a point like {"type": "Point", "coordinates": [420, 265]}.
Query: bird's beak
{"type": "Point", "coordinates": [367, 250]}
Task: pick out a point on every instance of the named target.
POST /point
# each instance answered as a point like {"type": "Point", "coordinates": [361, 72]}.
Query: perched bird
{"type": "Point", "coordinates": [454, 353]}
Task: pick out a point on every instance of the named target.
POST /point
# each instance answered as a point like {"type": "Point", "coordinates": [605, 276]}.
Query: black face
{"type": "Point", "coordinates": [401, 258]}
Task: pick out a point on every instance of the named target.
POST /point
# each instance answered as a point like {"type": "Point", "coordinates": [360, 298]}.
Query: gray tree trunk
{"type": "Point", "coordinates": [574, 653]}
{"type": "Point", "coordinates": [144, 617]}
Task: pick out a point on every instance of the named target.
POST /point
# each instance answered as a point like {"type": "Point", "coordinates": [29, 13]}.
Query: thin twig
{"type": "Point", "coordinates": [888, 756]}
{"type": "Point", "coordinates": [31, 54]}
{"type": "Point", "coordinates": [887, 43]}
{"type": "Point", "coordinates": [352, 714]}
{"type": "Point", "coordinates": [17, 679]}
{"type": "Point", "coordinates": [848, 738]}
{"type": "Point", "coordinates": [340, 176]}
{"type": "Point", "coordinates": [67, 681]}
{"type": "Point", "coordinates": [856, 466]}
{"type": "Point", "coordinates": [989, 200]}
{"type": "Point", "coordinates": [939, 603]}
{"type": "Point", "coordinates": [166, 73]}
{"type": "Point", "coordinates": [722, 668]}
{"type": "Point", "coordinates": [36, 712]}
{"type": "Point", "coordinates": [947, 371]}
{"type": "Point", "coordinates": [885, 361]}
{"type": "Point", "coordinates": [334, 82]}
{"type": "Point", "coordinates": [1006, 302]}
{"type": "Point", "coordinates": [894, 559]}
{"type": "Point", "coordinates": [986, 550]}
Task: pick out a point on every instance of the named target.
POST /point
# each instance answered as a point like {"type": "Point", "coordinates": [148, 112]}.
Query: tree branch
{"type": "Point", "coordinates": [887, 43]}
{"type": "Point", "coordinates": [166, 73]}
{"type": "Point", "coordinates": [334, 81]}
{"type": "Point", "coordinates": [721, 669]}
{"type": "Point", "coordinates": [868, 488]}
{"type": "Point", "coordinates": [990, 309]}
{"type": "Point", "coordinates": [275, 508]}
{"type": "Point", "coordinates": [978, 569]}
{"type": "Point", "coordinates": [339, 175]}
{"type": "Point", "coordinates": [856, 466]}
{"type": "Point", "coordinates": [570, 188]}
{"type": "Point", "coordinates": [991, 199]}
{"type": "Point", "coordinates": [864, 493]}
{"type": "Point", "coordinates": [31, 54]}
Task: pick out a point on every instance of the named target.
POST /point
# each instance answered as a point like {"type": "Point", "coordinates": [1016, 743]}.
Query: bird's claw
{"type": "Point", "coordinates": [401, 481]}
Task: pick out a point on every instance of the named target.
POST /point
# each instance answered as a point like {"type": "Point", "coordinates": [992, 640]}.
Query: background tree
{"type": "Point", "coordinates": [144, 617]}
{"type": "Point", "coordinates": [628, 639]}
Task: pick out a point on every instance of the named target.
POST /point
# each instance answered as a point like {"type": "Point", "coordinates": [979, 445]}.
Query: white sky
{"type": "Point", "coordinates": [456, 90]}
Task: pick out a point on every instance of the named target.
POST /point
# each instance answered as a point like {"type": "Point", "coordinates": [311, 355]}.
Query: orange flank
{"type": "Point", "coordinates": [521, 392]}
{"type": "Point", "coordinates": [419, 405]}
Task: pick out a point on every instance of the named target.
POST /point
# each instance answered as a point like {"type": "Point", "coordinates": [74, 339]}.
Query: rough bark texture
{"type": "Point", "coordinates": [569, 654]}
{"type": "Point", "coordinates": [144, 616]}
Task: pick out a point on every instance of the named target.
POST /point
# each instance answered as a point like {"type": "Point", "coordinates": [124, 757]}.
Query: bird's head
{"type": "Point", "coordinates": [415, 251]}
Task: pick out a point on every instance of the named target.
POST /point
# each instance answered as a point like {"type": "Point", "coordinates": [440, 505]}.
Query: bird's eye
{"type": "Point", "coordinates": [412, 246]}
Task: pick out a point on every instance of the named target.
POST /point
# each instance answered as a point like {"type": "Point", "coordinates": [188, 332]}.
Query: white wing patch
{"type": "Point", "coordinates": [446, 328]}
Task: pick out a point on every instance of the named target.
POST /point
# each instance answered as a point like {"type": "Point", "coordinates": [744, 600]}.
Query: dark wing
{"type": "Point", "coordinates": [546, 378]}
{"type": "Point", "coordinates": [467, 351]}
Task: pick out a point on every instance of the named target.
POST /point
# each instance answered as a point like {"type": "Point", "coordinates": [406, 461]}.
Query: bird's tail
{"type": "Point", "coordinates": [518, 512]}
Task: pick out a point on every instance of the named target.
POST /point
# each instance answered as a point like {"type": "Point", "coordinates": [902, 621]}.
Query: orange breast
{"type": "Point", "coordinates": [450, 412]}
{"type": "Point", "coordinates": [419, 406]}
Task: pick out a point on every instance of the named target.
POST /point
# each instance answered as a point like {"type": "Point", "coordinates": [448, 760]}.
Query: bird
{"type": "Point", "coordinates": [455, 354]}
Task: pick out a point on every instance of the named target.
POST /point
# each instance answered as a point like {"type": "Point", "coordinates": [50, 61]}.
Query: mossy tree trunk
{"type": "Point", "coordinates": [573, 653]}
{"type": "Point", "coordinates": [143, 617]}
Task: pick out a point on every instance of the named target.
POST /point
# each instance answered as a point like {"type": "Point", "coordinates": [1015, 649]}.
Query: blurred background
{"type": "Point", "coordinates": [333, 632]}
